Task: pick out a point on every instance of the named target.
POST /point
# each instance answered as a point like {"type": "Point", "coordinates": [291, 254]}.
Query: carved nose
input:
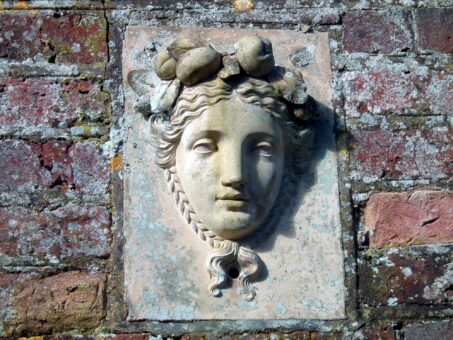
{"type": "Point", "coordinates": [233, 172]}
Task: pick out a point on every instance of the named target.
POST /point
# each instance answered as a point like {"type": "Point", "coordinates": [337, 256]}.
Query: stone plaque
{"type": "Point", "coordinates": [240, 217]}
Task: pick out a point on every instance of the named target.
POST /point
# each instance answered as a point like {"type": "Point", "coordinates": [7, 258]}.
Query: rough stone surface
{"type": "Point", "coordinates": [414, 276]}
{"type": "Point", "coordinates": [376, 31]}
{"type": "Point", "coordinates": [66, 233]}
{"type": "Point", "coordinates": [403, 154]}
{"type": "Point", "coordinates": [65, 301]}
{"type": "Point", "coordinates": [434, 29]}
{"type": "Point", "coordinates": [72, 38]}
{"type": "Point", "coordinates": [441, 330]}
{"type": "Point", "coordinates": [46, 102]}
{"type": "Point", "coordinates": [420, 217]}
{"type": "Point", "coordinates": [30, 166]}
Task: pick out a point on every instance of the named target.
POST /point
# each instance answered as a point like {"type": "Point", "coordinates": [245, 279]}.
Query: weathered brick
{"type": "Point", "coordinates": [420, 217]}
{"type": "Point", "coordinates": [396, 92]}
{"type": "Point", "coordinates": [89, 168]}
{"type": "Point", "coordinates": [440, 330]}
{"type": "Point", "coordinates": [434, 28]}
{"type": "Point", "coordinates": [296, 335]}
{"type": "Point", "coordinates": [72, 38]}
{"type": "Point", "coordinates": [375, 334]}
{"type": "Point", "coordinates": [33, 5]}
{"type": "Point", "coordinates": [69, 232]}
{"type": "Point", "coordinates": [408, 154]}
{"type": "Point", "coordinates": [373, 31]}
{"type": "Point", "coordinates": [7, 284]}
{"type": "Point", "coordinates": [406, 276]}
{"type": "Point", "coordinates": [30, 166]}
{"type": "Point", "coordinates": [69, 300]}
{"type": "Point", "coordinates": [439, 94]}
{"type": "Point", "coordinates": [56, 103]}
{"type": "Point", "coordinates": [382, 91]}
{"type": "Point", "coordinates": [126, 336]}
{"type": "Point", "coordinates": [21, 169]}
{"type": "Point", "coordinates": [54, 157]}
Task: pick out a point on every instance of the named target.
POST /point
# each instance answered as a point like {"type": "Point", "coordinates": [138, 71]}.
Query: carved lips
{"type": "Point", "coordinates": [233, 201]}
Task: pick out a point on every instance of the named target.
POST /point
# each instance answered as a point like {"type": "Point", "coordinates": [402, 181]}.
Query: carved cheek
{"type": "Point", "coordinates": [199, 175]}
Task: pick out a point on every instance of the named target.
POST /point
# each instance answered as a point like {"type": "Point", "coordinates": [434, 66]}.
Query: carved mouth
{"type": "Point", "coordinates": [237, 197]}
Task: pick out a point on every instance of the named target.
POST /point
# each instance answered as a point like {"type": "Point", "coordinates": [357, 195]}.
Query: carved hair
{"type": "Point", "coordinates": [167, 132]}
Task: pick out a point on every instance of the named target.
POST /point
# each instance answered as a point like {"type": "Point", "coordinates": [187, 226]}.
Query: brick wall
{"type": "Point", "coordinates": [61, 110]}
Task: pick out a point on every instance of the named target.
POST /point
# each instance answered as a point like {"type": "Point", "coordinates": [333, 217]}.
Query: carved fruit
{"type": "Point", "coordinates": [230, 67]}
{"type": "Point", "coordinates": [180, 46]}
{"type": "Point", "coordinates": [288, 84]}
{"type": "Point", "coordinates": [198, 64]}
{"type": "Point", "coordinates": [254, 54]}
{"type": "Point", "coordinates": [165, 65]}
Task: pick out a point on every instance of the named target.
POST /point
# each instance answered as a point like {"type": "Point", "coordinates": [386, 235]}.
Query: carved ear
{"type": "Point", "coordinates": [141, 81]}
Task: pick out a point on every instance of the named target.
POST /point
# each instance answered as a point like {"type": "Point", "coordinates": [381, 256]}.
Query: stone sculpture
{"type": "Point", "coordinates": [231, 134]}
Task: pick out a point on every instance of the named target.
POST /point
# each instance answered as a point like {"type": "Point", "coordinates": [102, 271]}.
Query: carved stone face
{"type": "Point", "coordinates": [230, 162]}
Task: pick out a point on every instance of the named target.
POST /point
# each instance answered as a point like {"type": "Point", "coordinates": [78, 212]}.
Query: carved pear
{"type": "Point", "coordinates": [198, 64]}
{"type": "Point", "coordinates": [254, 54]}
{"type": "Point", "coordinates": [182, 45]}
{"type": "Point", "coordinates": [165, 65]}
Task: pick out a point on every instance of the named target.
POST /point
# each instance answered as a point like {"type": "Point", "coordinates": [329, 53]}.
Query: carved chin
{"type": "Point", "coordinates": [233, 225]}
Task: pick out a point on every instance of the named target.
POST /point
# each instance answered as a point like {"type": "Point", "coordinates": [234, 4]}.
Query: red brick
{"type": "Point", "coordinates": [439, 330]}
{"type": "Point", "coordinates": [434, 28]}
{"type": "Point", "coordinates": [375, 334]}
{"type": "Point", "coordinates": [439, 94]}
{"type": "Point", "coordinates": [54, 157]}
{"type": "Point", "coordinates": [386, 91]}
{"type": "Point", "coordinates": [62, 302]}
{"type": "Point", "coordinates": [57, 103]}
{"type": "Point", "coordinates": [21, 169]}
{"type": "Point", "coordinates": [7, 284]}
{"type": "Point", "coordinates": [402, 154]}
{"type": "Point", "coordinates": [421, 217]}
{"type": "Point", "coordinates": [90, 169]}
{"type": "Point", "coordinates": [406, 276]}
{"type": "Point", "coordinates": [69, 337]}
{"type": "Point", "coordinates": [379, 92]}
{"type": "Point", "coordinates": [373, 31]}
{"type": "Point", "coordinates": [29, 166]}
{"type": "Point", "coordinates": [70, 232]}
{"type": "Point", "coordinates": [73, 38]}
{"type": "Point", "coordinates": [129, 336]}
{"type": "Point", "coordinates": [295, 335]}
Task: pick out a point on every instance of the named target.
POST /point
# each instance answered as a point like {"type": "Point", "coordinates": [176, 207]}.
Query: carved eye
{"type": "Point", "coordinates": [265, 149]}
{"type": "Point", "coordinates": [204, 146]}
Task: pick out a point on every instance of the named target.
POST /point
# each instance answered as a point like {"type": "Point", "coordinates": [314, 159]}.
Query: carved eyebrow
{"type": "Point", "coordinates": [263, 135]}
{"type": "Point", "coordinates": [214, 134]}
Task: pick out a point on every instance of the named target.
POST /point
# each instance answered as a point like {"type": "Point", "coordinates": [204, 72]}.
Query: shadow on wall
{"type": "Point", "coordinates": [295, 186]}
